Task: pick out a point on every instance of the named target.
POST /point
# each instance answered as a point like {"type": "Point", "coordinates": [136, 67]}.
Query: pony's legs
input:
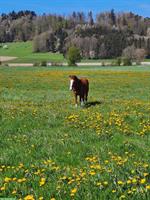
{"type": "Point", "coordinates": [86, 97]}
{"type": "Point", "coordinates": [82, 100]}
{"type": "Point", "coordinates": [76, 103]}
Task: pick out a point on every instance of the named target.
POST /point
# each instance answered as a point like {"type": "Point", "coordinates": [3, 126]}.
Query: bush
{"type": "Point", "coordinates": [103, 63]}
{"type": "Point", "coordinates": [127, 62]}
{"type": "Point", "coordinates": [118, 61]}
{"type": "Point", "coordinates": [73, 55]}
{"type": "Point", "coordinates": [36, 64]}
{"type": "Point", "coordinates": [56, 64]}
{"type": "Point", "coordinates": [43, 63]}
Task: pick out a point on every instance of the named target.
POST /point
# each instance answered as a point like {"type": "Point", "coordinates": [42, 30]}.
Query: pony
{"type": "Point", "coordinates": [80, 87]}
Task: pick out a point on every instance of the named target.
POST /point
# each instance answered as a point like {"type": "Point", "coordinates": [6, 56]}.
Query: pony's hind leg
{"type": "Point", "coordinates": [86, 97]}
{"type": "Point", "coordinates": [82, 100]}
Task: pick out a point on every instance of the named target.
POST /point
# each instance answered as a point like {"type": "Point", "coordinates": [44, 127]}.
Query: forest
{"type": "Point", "coordinates": [103, 36]}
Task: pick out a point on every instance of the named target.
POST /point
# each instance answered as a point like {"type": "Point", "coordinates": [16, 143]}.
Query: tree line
{"type": "Point", "coordinates": [105, 36]}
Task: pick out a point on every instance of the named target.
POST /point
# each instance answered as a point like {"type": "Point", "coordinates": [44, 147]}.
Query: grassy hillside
{"type": "Point", "coordinates": [24, 54]}
{"type": "Point", "coordinates": [52, 150]}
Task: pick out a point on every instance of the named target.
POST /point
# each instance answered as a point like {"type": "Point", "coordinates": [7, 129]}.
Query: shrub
{"type": "Point", "coordinates": [56, 64]}
{"type": "Point", "coordinates": [36, 64]}
{"type": "Point", "coordinates": [127, 62]}
{"type": "Point", "coordinates": [73, 55]}
{"type": "Point", "coordinates": [118, 61]}
{"type": "Point", "coordinates": [140, 54]}
{"type": "Point", "coordinates": [103, 63]}
{"type": "Point", "coordinates": [43, 63]}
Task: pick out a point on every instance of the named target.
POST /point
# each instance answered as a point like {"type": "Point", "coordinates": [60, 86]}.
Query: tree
{"type": "Point", "coordinates": [140, 54]}
{"type": "Point", "coordinates": [73, 55]}
{"type": "Point", "coordinates": [129, 53]}
{"type": "Point", "coordinates": [113, 17]}
{"type": "Point", "coordinates": [134, 54]}
{"type": "Point", "coordinates": [90, 18]}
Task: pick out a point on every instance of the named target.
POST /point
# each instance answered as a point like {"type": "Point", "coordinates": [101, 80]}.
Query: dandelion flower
{"type": "Point", "coordinates": [29, 197]}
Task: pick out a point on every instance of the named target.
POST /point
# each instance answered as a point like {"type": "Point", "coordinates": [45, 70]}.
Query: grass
{"type": "Point", "coordinates": [24, 54]}
{"type": "Point", "coordinates": [52, 150]}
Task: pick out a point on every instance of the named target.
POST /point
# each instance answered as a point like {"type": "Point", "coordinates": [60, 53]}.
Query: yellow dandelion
{"type": "Point", "coordinates": [120, 183]}
{"type": "Point", "coordinates": [99, 184]}
{"type": "Point", "coordinates": [29, 197]}
{"type": "Point", "coordinates": [142, 181]}
{"type": "Point", "coordinates": [105, 183]}
{"type": "Point", "coordinates": [74, 190]}
{"type": "Point", "coordinates": [134, 180]}
{"type": "Point", "coordinates": [146, 174]}
{"type": "Point", "coordinates": [14, 191]}
{"type": "Point", "coordinates": [7, 179]}
{"type": "Point", "coordinates": [92, 173]}
{"type": "Point", "coordinates": [3, 188]}
{"type": "Point", "coordinates": [129, 181]}
{"type": "Point", "coordinates": [42, 181]}
{"type": "Point", "coordinates": [148, 187]}
{"type": "Point", "coordinates": [129, 192]}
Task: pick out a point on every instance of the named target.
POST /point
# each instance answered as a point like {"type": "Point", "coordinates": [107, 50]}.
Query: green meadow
{"type": "Point", "coordinates": [24, 53]}
{"type": "Point", "coordinates": [51, 150]}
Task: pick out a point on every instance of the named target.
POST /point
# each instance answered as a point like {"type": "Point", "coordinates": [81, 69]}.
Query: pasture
{"type": "Point", "coordinates": [24, 53]}
{"type": "Point", "coordinates": [52, 150]}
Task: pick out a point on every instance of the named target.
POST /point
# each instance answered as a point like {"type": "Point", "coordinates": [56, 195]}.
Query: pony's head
{"type": "Point", "coordinates": [73, 80]}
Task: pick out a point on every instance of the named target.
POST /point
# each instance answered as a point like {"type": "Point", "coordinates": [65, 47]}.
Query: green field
{"type": "Point", "coordinates": [52, 150]}
{"type": "Point", "coordinates": [24, 54]}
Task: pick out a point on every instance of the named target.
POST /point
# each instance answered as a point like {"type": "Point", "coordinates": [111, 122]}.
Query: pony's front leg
{"type": "Point", "coordinates": [76, 103]}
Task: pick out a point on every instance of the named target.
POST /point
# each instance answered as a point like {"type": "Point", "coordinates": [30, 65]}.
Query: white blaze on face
{"type": "Point", "coordinates": [71, 84]}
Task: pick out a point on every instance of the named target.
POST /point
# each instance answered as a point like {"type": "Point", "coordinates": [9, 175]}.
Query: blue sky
{"type": "Point", "coordinates": [141, 7]}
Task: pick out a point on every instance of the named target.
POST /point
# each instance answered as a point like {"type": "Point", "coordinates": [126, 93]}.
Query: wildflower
{"type": "Point", "coordinates": [129, 192]}
{"type": "Point", "coordinates": [7, 179]}
{"type": "Point", "coordinates": [42, 181]}
{"type": "Point", "coordinates": [145, 174]}
{"type": "Point", "coordinates": [92, 173]}
{"type": "Point", "coordinates": [134, 189]}
{"type": "Point", "coordinates": [74, 190]}
{"type": "Point", "coordinates": [2, 188]}
{"type": "Point", "coordinates": [105, 183]}
{"type": "Point", "coordinates": [113, 191]}
{"type": "Point", "coordinates": [21, 180]}
{"type": "Point", "coordinates": [99, 184]}
{"type": "Point", "coordinates": [122, 197]}
{"type": "Point", "coordinates": [142, 181]}
{"type": "Point", "coordinates": [41, 198]}
{"type": "Point", "coordinates": [128, 181]}
{"type": "Point", "coordinates": [29, 197]}
{"type": "Point", "coordinates": [134, 180]}
{"type": "Point", "coordinates": [14, 192]}
{"type": "Point", "coordinates": [120, 183]}
{"type": "Point", "coordinates": [148, 187]}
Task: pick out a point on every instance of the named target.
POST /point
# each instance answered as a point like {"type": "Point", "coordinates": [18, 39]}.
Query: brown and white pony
{"type": "Point", "coordinates": [80, 87]}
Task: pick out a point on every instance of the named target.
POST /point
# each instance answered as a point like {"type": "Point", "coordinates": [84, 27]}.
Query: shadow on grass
{"type": "Point", "coordinates": [92, 103]}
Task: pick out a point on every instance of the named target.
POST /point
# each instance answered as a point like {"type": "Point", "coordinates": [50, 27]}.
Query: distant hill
{"type": "Point", "coordinates": [104, 37]}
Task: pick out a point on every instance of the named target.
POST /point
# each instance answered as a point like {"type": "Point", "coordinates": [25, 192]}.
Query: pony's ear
{"type": "Point", "coordinates": [73, 77]}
